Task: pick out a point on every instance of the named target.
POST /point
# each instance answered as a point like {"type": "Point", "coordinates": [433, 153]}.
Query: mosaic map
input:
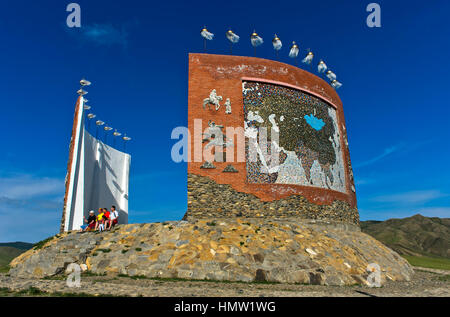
{"type": "Point", "coordinates": [308, 150]}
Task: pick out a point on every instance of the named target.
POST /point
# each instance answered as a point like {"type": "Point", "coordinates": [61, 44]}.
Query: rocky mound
{"type": "Point", "coordinates": [308, 252]}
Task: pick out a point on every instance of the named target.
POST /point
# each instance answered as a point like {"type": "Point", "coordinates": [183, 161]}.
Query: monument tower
{"type": "Point", "coordinates": [305, 173]}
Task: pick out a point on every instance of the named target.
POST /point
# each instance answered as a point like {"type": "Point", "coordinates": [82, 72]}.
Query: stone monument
{"type": "Point", "coordinates": [271, 195]}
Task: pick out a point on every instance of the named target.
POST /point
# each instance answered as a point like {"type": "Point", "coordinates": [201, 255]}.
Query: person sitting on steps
{"type": "Point", "coordinates": [99, 225]}
{"type": "Point", "coordinates": [113, 217]}
{"type": "Point", "coordinates": [91, 222]}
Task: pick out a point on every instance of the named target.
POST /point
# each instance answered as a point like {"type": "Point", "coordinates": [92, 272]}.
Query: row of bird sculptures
{"type": "Point", "coordinates": [256, 41]}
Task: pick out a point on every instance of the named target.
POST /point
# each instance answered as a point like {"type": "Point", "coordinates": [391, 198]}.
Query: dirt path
{"type": "Point", "coordinates": [423, 284]}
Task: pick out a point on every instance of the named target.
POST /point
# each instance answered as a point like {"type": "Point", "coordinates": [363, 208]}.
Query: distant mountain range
{"type": "Point", "coordinates": [18, 245]}
{"type": "Point", "coordinates": [413, 236]}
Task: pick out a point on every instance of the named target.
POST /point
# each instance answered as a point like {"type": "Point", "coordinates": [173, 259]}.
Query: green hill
{"type": "Point", "coordinates": [413, 236]}
{"type": "Point", "coordinates": [18, 245]}
{"type": "Point", "coordinates": [421, 240]}
{"type": "Point", "coordinates": [10, 250]}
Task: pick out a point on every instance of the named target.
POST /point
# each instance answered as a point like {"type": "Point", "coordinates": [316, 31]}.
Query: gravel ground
{"type": "Point", "coordinates": [423, 284]}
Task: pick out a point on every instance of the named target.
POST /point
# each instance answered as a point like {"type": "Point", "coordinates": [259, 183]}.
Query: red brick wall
{"type": "Point", "coordinates": [225, 74]}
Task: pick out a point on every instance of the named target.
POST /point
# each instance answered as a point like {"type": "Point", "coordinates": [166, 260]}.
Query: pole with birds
{"type": "Point", "coordinates": [322, 67]}
{"type": "Point", "coordinates": [308, 58]}
{"type": "Point", "coordinates": [99, 123]}
{"type": "Point", "coordinates": [106, 129]}
{"type": "Point", "coordinates": [206, 36]}
{"type": "Point", "coordinates": [81, 92]}
{"type": "Point", "coordinates": [90, 116]}
{"type": "Point", "coordinates": [125, 140]}
{"type": "Point", "coordinates": [256, 41]}
{"type": "Point", "coordinates": [293, 53]}
{"type": "Point", "coordinates": [277, 45]}
{"type": "Point", "coordinates": [335, 84]}
{"type": "Point", "coordinates": [115, 134]}
{"type": "Point", "coordinates": [83, 83]}
{"type": "Point", "coordinates": [330, 75]}
{"type": "Point", "coordinates": [233, 38]}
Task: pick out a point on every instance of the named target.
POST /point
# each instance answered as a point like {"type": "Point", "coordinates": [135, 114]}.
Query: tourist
{"type": "Point", "coordinates": [100, 222]}
{"type": "Point", "coordinates": [91, 222]}
{"type": "Point", "coordinates": [106, 214]}
{"type": "Point", "coordinates": [113, 217]}
{"type": "Point", "coordinates": [105, 218]}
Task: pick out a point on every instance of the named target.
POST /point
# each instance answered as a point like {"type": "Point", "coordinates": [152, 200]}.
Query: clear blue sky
{"type": "Point", "coordinates": [396, 95]}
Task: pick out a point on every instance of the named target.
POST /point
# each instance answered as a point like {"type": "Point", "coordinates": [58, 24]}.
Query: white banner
{"type": "Point", "coordinates": [99, 178]}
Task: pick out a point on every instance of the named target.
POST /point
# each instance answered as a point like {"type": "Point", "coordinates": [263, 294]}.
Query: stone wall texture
{"type": "Point", "coordinates": [228, 76]}
{"type": "Point", "coordinates": [207, 199]}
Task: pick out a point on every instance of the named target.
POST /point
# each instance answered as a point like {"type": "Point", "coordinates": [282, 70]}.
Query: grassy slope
{"type": "Point", "coordinates": [414, 236]}
{"type": "Point", "coordinates": [432, 263]}
{"type": "Point", "coordinates": [7, 254]}
{"type": "Point", "coordinates": [9, 251]}
{"type": "Point", "coordinates": [422, 241]}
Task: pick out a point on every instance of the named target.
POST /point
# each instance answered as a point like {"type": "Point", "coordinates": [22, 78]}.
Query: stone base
{"type": "Point", "coordinates": [207, 199]}
{"type": "Point", "coordinates": [309, 252]}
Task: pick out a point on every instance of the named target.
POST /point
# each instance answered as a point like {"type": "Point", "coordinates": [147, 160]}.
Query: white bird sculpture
{"type": "Point", "coordinates": [293, 53]}
{"type": "Point", "coordinates": [206, 34]}
{"type": "Point", "coordinates": [232, 37]}
{"type": "Point", "coordinates": [322, 67]}
{"type": "Point", "coordinates": [308, 59]}
{"type": "Point", "coordinates": [335, 84]}
{"type": "Point", "coordinates": [85, 82]}
{"type": "Point", "coordinates": [81, 92]}
{"type": "Point", "coordinates": [277, 45]}
{"type": "Point", "coordinates": [256, 39]}
{"type": "Point", "coordinates": [331, 76]}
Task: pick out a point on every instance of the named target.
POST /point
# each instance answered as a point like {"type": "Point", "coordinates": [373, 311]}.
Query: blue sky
{"type": "Point", "coordinates": [396, 95]}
